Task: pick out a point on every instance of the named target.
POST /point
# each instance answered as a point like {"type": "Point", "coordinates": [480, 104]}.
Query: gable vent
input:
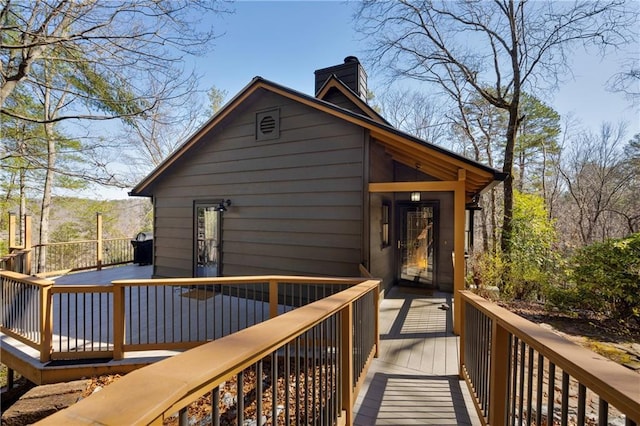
{"type": "Point", "coordinates": [268, 124]}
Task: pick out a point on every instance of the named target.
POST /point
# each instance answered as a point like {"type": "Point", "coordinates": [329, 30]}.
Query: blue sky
{"type": "Point", "coordinates": [285, 41]}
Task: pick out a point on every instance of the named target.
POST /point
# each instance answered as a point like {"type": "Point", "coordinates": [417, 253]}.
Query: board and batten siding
{"type": "Point", "coordinates": [296, 200]}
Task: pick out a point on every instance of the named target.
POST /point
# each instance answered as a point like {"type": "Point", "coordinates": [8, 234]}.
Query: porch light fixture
{"type": "Point", "coordinates": [415, 196]}
{"type": "Point", "coordinates": [222, 206]}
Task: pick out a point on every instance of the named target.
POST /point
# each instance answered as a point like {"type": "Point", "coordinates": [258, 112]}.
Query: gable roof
{"type": "Point", "coordinates": [404, 148]}
{"type": "Point", "coordinates": [334, 83]}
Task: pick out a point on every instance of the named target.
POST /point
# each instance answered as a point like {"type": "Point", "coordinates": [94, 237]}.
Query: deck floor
{"type": "Point", "coordinates": [414, 381]}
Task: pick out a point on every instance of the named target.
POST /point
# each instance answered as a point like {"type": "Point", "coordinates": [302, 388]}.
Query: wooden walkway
{"type": "Point", "coordinates": [415, 380]}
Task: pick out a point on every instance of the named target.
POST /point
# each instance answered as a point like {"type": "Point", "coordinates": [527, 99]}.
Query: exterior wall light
{"type": "Point", "coordinates": [415, 196]}
{"type": "Point", "coordinates": [222, 206]}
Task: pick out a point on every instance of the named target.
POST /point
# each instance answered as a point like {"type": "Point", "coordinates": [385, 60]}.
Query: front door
{"type": "Point", "coordinates": [207, 240]}
{"type": "Point", "coordinates": [417, 244]}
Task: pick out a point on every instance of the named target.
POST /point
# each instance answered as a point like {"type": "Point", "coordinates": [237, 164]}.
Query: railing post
{"type": "Point", "coordinates": [12, 231]}
{"type": "Point", "coordinates": [346, 351]}
{"type": "Point", "coordinates": [46, 323]}
{"type": "Point", "coordinates": [27, 245]}
{"type": "Point", "coordinates": [118, 321]}
{"type": "Point", "coordinates": [463, 331]}
{"type": "Point", "coordinates": [273, 298]}
{"type": "Point", "coordinates": [376, 326]}
{"type": "Point", "coordinates": [499, 375]}
{"type": "Point", "coordinates": [99, 243]}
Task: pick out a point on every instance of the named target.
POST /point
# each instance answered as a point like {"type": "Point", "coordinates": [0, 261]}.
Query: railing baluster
{"type": "Point", "coordinates": [564, 419]}
{"type": "Point", "coordinates": [287, 383]}
{"type": "Point", "coordinates": [529, 385]}
{"type": "Point", "coordinates": [539, 389]}
{"type": "Point", "coordinates": [274, 388]}
{"type": "Point", "coordinates": [582, 399]}
{"type": "Point", "coordinates": [551, 393]}
{"type": "Point", "coordinates": [297, 372]}
{"type": "Point", "coordinates": [183, 418]}
{"type": "Point", "coordinates": [240, 397]}
{"type": "Point", "coordinates": [521, 389]}
{"type": "Point", "coordinates": [603, 412]}
{"type": "Point", "coordinates": [259, 393]}
{"type": "Point", "coordinates": [215, 406]}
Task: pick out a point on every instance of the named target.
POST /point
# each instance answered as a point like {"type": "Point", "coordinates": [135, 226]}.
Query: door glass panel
{"type": "Point", "coordinates": [207, 241]}
{"type": "Point", "coordinates": [417, 245]}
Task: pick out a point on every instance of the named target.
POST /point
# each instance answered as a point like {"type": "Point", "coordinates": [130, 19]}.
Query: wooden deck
{"type": "Point", "coordinates": [105, 276]}
{"type": "Point", "coordinates": [415, 379]}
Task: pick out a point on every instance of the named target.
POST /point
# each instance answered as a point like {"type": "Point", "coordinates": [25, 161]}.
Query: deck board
{"type": "Point", "coordinates": [415, 380]}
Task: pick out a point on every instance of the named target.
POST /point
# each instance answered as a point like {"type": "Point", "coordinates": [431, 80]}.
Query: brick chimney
{"type": "Point", "coordinates": [350, 73]}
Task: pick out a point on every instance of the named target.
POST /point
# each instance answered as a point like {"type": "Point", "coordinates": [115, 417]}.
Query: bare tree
{"type": "Point", "coordinates": [112, 50]}
{"type": "Point", "coordinates": [596, 174]}
{"type": "Point", "coordinates": [501, 45]}
{"type": "Point", "coordinates": [415, 113]}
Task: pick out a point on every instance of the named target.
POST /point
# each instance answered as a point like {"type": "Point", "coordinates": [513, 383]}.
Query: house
{"type": "Point", "coordinates": [279, 182]}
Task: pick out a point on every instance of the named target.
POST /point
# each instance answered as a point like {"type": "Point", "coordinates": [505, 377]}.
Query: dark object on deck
{"type": "Point", "coordinates": [143, 248]}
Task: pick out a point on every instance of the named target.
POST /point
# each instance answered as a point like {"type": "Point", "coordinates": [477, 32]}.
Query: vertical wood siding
{"type": "Point", "coordinates": [296, 200]}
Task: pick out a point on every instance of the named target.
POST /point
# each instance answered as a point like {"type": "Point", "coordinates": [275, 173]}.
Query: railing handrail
{"type": "Point", "coordinates": [57, 243]}
{"type": "Point", "coordinates": [170, 385]}
{"type": "Point", "coordinates": [615, 383]}
{"type": "Point", "coordinates": [27, 279]}
{"type": "Point", "coordinates": [237, 280]}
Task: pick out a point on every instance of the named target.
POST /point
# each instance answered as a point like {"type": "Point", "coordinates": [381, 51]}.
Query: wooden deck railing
{"type": "Point", "coordinates": [26, 312]}
{"type": "Point", "coordinates": [521, 373]}
{"type": "Point", "coordinates": [302, 367]}
{"type": "Point", "coordinates": [45, 259]}
{"type": "Point", "coordinates": [107, 321]}
{"type": "Point", "coordinates": [81, 255]}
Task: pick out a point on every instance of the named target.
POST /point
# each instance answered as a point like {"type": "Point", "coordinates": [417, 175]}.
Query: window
{"type": "Point", "coordinates": [385, 224]}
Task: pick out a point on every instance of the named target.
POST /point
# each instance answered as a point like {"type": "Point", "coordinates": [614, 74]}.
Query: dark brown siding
{"type": "Point", "coordinates": [296, 200]}
{"type": "Point", "coordinates": [381, 259]}
{"type": "Point", "coordinates": [337, 98]}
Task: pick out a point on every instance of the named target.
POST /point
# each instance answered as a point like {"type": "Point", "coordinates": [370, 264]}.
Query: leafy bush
{"type": "Point", "coordinates": [606, 279]}
{"type": "Point", "coordinates": [532, 263]}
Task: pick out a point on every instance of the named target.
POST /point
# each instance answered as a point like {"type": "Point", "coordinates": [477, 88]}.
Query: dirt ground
{"type": "Point", "coordinates": [616, 340]}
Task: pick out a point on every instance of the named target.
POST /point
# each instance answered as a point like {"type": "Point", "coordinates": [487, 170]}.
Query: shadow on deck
{"type": "Point", "coordinates": [415, 378]}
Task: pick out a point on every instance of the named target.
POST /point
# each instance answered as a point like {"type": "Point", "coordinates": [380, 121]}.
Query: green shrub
{"type": "Point", "coordinates": [532, 261]}
{"type": "Point", "coordinates": [607, 278]}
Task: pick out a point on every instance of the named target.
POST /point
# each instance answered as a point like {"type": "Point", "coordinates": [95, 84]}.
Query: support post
{"type": "Point", "coordinates": [27, 245]}
{"type": "Point", "coordinates": [12, 231]}
{"type": "Point", "coordinates": [99, 239]}
{"type": "Point", "coordinates": [10, 378]}
{"type": "Point", "coordinates": [346, 351]}
{"type": "Point", "coordinates": [273, 299]}
{"type": "Point", "coordinates": [376, 326]}
{"type": "Point", "coordinates": [463, 329]}
{"type": "Point", "coordinates": [46, 324]}
{"type": "Point", "coordinates": [118, 321]}
{"type": "Point", "coordinates": [458, 248]}
{"type": "Point", "coordinates": [498, 378]}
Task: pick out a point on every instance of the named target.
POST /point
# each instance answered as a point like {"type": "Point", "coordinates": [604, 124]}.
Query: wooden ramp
{"type": "Point", "coordinates": [415, 379]}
